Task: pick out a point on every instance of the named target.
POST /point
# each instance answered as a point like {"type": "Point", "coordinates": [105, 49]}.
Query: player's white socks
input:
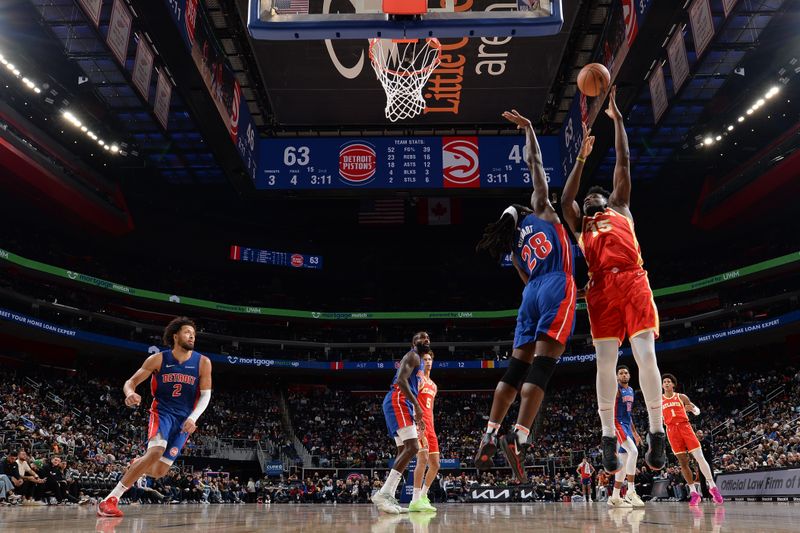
{"type": "Point", "coordinates": [606, 384]}
{"type": "Point", "coordinates": [392, 480]}
{"type": "Point", "coordinates": [492, 427]}
{"type": "Point", "coordinates": [692, 488]}
{"type": "Point", "coordinates": [521, 433]}
{"type": "Point", "coordinates": [423, 492]}
{"type": "Point", "coordinates": [118, 491]}
{"type": "Point", "coordinates": [615, 494]}
{"type": "Point", "coordinates": [416, 495]}
{"type": "Point", "coordinates": [644, 351]}
{"type": "Point", "coordinates": [704, 467]}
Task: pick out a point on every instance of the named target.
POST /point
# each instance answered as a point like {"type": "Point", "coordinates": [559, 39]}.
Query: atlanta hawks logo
{"type": "Point", "coordinates": [460, 164]}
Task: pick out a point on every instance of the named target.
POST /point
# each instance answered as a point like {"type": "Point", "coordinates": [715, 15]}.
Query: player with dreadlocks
{"type": "Point", "coordinates": [542, 255]}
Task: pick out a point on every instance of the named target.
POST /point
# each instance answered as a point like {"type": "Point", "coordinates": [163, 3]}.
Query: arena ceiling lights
{"type": "Point", "coordinates": [68, 115]}
{"type": "Point", "coordinates": [712, 138]}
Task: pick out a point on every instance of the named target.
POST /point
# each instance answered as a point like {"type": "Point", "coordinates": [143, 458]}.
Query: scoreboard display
{"type": "Point", "coordinates": [456, 162]}
{"type": "Point", "coordinates": [272, 257]}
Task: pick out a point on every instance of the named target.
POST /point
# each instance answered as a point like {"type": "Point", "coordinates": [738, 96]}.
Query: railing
{"type": "Point", "coordinates": [747, 411]}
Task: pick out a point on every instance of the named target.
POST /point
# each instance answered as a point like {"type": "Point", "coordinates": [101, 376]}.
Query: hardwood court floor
{"type": "Point", "coordinates": [451, 518]}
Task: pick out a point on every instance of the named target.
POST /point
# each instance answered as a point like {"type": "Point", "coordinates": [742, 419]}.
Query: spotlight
{"type": "Point", "coordinates": [114, 148]}
{"type": "Point", "coordinates": [760, 102]}
{"type": "Point", "coordinates": [730, 128]}
{"type": "Point", "coordinates": [750, 111]}
{"type": "Point", "coordinates": [741, 119]}
{"type": "Point", "coordinates": [708, 141]}
{"type": "Point", "coordinates": [719, 137]}
{"type": "Point", "coordinates": [84, 129]}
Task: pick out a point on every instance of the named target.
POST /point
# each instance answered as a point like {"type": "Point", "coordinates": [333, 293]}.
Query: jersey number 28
{"type": "Point", "coordinates": [538, 247]}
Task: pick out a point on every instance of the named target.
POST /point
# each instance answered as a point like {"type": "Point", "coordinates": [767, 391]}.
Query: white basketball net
{"type": "Point", "coordinates": [403, 68]}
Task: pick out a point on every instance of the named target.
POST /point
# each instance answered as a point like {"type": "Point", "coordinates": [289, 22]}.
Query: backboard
{"type": "Point", "coordinates": [364, 19]}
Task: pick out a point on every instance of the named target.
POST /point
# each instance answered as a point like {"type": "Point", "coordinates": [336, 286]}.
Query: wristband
{"type": "Point", "coordinates": [582, 160]}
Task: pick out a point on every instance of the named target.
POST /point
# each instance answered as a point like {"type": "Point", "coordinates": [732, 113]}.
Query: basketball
{"type": "Point", "coordinates": [593, 79]}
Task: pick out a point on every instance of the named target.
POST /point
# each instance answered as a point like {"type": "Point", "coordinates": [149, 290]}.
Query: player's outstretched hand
{"type": "Point", "coordinates": [613, 111]}
{"type": "Point", "coordinates": [133, 400]}
{"type": "Point", "coordinates": [516, 118]}
{"type": "Point", "coordinates": [189, 426]}
{"type": "Point", "coordinates": [588, 142]}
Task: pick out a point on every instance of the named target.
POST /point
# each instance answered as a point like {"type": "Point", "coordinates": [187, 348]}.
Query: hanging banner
{"type": "Point", "coordinates": [727, 6]}
{"type": "Point", "coordinates": [163, 98]}
{"type": "Point", "coordinates": [211, 61]}
{"type": "Point", "coordinates": [93, 8]}
{"type": "Point", "coordinates": [678, 60]}
{"type": "Point", "coordinates": [658, 93]}
{"type": "Point", "coordinates": [119, 31]}
{"type": "Point", "coordinates": [143, 67]}
{"type": "Point", "coordinates": [702, 25]}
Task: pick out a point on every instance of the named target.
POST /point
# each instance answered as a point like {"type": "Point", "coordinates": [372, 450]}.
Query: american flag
{"type": "Point", "coordinates": [390, 211]}
{"type": "Point", "coordinates": [291, 7]}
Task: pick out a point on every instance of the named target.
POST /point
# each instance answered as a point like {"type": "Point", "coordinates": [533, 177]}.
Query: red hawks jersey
{"type": "Point", "coordinates": [674, 410]}
{"type": "Point", "coordinates": [425, 397]}
{"type": "Point", "coordinates": [608, 241]}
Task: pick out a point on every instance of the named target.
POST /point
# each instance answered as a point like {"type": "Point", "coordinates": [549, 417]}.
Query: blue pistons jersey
{"type": "Point", "coordinates": [176, 387]}
{"type": "Point", "coordinates": [542, 247]}
{"type": "Point", "coordinates": [624, 406]}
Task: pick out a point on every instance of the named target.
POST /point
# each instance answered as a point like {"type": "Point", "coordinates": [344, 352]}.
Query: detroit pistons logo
{"type": "Point", "coordinates": [237, 99]}
{"type": "Point", "coordinates": [174, 451]}
{"type": "Point", "coordinates": [190, 19]}
{"type": "Point", "coordinates": [460, 163]}
{"type": "Point", "coordinates": [297, 260]}
{"type": "Point", "coordinates": [357, 163]}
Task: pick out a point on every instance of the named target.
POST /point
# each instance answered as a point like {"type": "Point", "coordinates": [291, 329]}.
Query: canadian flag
{"type": "Point", "coordinates": [439, 211]}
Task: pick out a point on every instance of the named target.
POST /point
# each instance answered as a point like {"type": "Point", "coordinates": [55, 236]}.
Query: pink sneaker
{"type": "Point", "coordinates": [717, 495]}
{"type": "Point", "coordinates": [695, 500]}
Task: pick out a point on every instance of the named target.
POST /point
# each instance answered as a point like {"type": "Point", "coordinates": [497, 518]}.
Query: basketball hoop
{"type": "Point", "coordinates": [403, 67]}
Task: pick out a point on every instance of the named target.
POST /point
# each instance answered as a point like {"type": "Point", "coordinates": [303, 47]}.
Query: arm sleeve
{"type": "Point", "coordinates": [202, 403]}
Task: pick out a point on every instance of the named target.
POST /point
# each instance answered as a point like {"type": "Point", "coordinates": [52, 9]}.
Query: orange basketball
{"type": "Point", "coordinates": [593, 79]}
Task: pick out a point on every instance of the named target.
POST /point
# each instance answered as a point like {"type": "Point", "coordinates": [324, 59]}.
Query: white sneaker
{"type": "Point", "coordinates": [399, 507]}
{"type": "Point", "coordinates": [619, 503]}
{"type": "Point", "coordinates": [633, 499]}
{"type": "Point", "coordinates": [385, 503]}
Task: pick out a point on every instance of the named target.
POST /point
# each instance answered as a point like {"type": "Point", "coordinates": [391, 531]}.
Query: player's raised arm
{"type": "Point", "coordinates": [533, 157]}
{"type": "Point", "coordinates": [408, 363]}
{"type": "Point", "coordinates": [569, 206]}
{"type": "Point", "coordinates": [620, 199]}
{"type": "Point", "coordinates": [690, 407]}
{"type": "Point", "coordinates": [150, 365]}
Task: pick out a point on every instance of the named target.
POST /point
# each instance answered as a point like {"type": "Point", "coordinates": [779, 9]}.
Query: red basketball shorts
{"type": "Point", "coordinates": [682, 438]}
{"type": "Point", "coordinates": [620, 304]}
{"type": "Point", "coordinates": [428, 440]}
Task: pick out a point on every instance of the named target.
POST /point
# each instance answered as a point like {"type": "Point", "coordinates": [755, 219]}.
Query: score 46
{"type": "Point", "coordinates": [516, 155]}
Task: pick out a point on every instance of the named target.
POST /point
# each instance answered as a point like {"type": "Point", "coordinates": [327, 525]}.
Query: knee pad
{"type": "Point", "coordinates": [516, 372]}
{"type": "Point", "coordinates": [541, 371]}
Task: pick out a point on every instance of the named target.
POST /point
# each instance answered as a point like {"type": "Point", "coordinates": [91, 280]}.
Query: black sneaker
{"type": "Point", "coordinates": [656, 456]}
{"type": "Point", "coordinates": [484, 459]}
{"type": "Point", "coordinates": [611, 463]}
{"type": "Point", "coordinates": [515, 455]}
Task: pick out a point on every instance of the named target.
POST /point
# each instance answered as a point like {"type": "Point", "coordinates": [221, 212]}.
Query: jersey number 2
{"type": "Point", "coordinates": [176, 390]}
{"type": "Point", "coordinates": [538, 247]}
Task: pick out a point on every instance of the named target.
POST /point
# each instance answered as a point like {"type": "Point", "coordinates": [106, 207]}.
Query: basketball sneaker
{"type": "Point", "coordinates": [695, 500]}
{"type": "Point", "coordinates": [717, 496]}
{"type": "Point", "coordinates": [619, 503]}
{"type": "Point", "coordinates": [109, 507]}
{"type": "Point", "coordinates": [609, 446]}
{"type": "Point", "coordinates": [484, 458]}
{"type": "Point", "coordinates": [385, 503]}
{"type": "Point", "coordinates": [422, 505]}
{"type": "Point", "coordinates": [515, 455]}
{"type": "Point", "coordinates": [633, 499]}
{"type": "Point", "coordinates": [656, 456]}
